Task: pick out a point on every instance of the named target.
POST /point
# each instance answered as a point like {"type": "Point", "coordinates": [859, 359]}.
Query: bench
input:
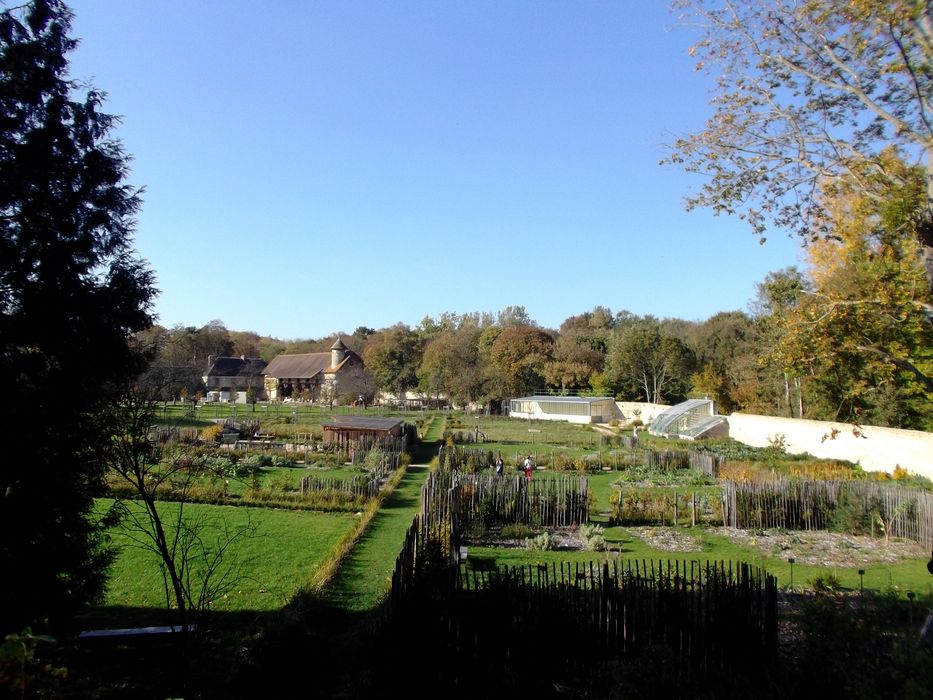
{"type": "Point", "coordinates": [133, 633]}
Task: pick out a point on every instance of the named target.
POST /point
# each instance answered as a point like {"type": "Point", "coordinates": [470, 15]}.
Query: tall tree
{"type": "Point", "coordinates": [520, 355]}
{"type": "Point", "coordinates": [862, 334]}
{"type": "Point", "coordinates": [392, 356]}
{"type": "Point", "coordinates": [808, 91]}
{"type": "Point", "coordinates": [643, 360]}
{"type": "Point", "coordinates": [451, 365]}
{"type": "Point", "coordinates": [514, 316]}
{"type": "Point", "coordinates": [777, 298]}
{"type": "Point", "coordinates": [72, 294]}
{"type": "Point", "coordinates": [580, 351]}
{"type": "Point", "coordinates": [725, 346]}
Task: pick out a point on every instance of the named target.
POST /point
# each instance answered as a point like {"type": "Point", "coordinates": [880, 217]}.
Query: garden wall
{"type": "Point", "coordinates": [874, 448]}
{"type": "Point", "coordinates": [648, 411]}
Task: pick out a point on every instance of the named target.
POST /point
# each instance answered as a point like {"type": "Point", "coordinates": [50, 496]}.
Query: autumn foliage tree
{"type": "Point", "coordinates": [392, 357]}
{"type": "Point", "coordinates": [519, 355]}
{"type": "Point", "coordinates": [862, 336]}
{"type": "Point", "coordinates": [806, 92]}
{"type": "Point", "coordinates": [450, 365]}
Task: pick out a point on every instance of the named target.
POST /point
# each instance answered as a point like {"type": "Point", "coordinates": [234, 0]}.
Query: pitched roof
{"type": "Point", "coordinates": [302, 366]}
{"type": "Point", "coordinates": [236, 367]}
{"type": "Point", "coordinates": [566, 399]}
{"type": "Point", "coordinates": [346, 360]}
{"type": "Point", "coordinates": [338, 345]}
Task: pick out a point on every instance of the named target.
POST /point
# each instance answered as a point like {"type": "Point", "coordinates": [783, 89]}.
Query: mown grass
{"type": "Point", "coordinates": [289, 477]}
{"type": "Point", "coordinates": [282, 420]}
{"type": "Point", "coordinates": [364, 576]}
{"type": "Point", "coordinates": [544, 434]}
{"type": "Point", "coordinates": [899, 577]}
{"type": "Point", "coordinates": [279, 555]}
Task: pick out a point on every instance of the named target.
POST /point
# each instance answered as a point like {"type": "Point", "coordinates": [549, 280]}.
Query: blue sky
{"type": "Point", "coordinates": [311, 167]}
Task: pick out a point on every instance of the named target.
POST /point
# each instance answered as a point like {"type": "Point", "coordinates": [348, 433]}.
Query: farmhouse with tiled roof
{"type": "Point", "coordinates": [315, 376]}
{"type": "Point", "coordinates": [231, 377]}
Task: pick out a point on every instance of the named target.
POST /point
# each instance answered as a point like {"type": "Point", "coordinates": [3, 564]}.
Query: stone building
{"type": "Point", "coordinates": [322, 377]}
{"type": "Point", "coordinates": [230, 378]}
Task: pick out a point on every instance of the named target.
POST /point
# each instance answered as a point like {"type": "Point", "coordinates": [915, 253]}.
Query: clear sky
{"type": "Point", "coordinates": [311, 167]}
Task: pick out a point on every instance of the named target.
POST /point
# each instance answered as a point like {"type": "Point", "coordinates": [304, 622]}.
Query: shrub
{"type": "Point", "coordinates": [826, 584]}
{"type": "Point", "coordinates": [516, 531]}
{"type": "Point", "coordinates": [212, 433]}
{"type": "Point", "coordinates": [852, 515]}
{"type": "Point", "coordinates": [374, 458]}
{"type": "Point", "coordinates": [542, 543]}
{"type": "Point", "coordinates": [562, 462]}
{"type": "Point", "coordinates": [777, 442]}
{"type": "Point", "coordinates": [254, 462]}
{"type": "Point", "coordinates": [593, 537]}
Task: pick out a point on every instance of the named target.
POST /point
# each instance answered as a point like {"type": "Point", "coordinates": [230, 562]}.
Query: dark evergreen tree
{"type": "Point", "coordinates": [72, 294]}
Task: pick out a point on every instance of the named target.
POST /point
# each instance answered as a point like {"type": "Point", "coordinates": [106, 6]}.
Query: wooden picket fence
{"type": "Point", "coordinates": [819, 505]}
{"type": "Point", "coordinates": [553, 500]}
{"type": "Point", "coordinates": [431, 548]}
{"type": "Point", "coordinates": [162, 434]}
{"type": "Point", "coordinates": [703, 462]}
{"type": "Point", "coordinates": [389, 461]}
{"type": "Point", "coordinates": [706, 614]}
{"type": "Point", "coordinates": [670, 507]}
{"type": "Point", "coordinates": [362, 486]}
{"type": "Point", "coordinates": [476, 459]}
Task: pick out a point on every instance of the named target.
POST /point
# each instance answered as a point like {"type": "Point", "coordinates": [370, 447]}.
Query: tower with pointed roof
{"type": "Point", "coordinates": [338, 352]}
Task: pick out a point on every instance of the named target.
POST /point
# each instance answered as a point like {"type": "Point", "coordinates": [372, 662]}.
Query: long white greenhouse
{"type": "Point", "coordinates": [575, 409]}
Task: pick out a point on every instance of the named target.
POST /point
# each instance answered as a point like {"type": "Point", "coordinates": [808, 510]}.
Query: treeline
{"type": "Point", "coordinates": [483, 358]}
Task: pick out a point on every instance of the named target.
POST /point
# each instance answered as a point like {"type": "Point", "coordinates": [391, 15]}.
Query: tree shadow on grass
{"type": "Point", "coordinates": [244, 654]}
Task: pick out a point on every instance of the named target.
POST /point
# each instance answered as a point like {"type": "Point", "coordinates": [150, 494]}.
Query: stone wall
{"type": "Point", "coordinates": [648, 411]}
{"type": "Point", "coordinates": [874, 448]}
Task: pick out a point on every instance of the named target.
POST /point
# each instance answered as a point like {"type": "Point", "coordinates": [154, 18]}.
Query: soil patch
{"type": "Point", "coordinates": [815, 547]}
{"type": "Point", "coordinates": [822, 548]}
{"type": "Point", "coordinates": [668, 539]}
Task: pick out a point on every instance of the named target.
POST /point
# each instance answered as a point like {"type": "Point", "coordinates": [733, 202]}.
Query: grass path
{"type": "Point", "coordinates": [365, 575]}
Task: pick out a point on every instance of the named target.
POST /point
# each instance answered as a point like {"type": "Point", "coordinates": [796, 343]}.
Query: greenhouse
{"type": "Point", "coordinates": [575, 409]}
{"type": "Point", "coordinates": [690, 420]}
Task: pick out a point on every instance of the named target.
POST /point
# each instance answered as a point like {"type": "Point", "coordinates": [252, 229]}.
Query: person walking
{"type": "Point", "coordinates": [499, 465]}
{"type": "Point", "coordinates": [529, 467]}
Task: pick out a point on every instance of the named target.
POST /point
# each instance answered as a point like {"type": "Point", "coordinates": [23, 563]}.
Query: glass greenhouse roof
{"type": "Point", "coordinates": [684, 419]}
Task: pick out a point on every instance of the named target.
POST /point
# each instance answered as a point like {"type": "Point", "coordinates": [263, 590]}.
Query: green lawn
{"type": "Point", "coordinates": [290, 477]}
{"type": "Point", "coordinates": [277, 558]}
{"type": "Point", "coordinates": [544, 435]}
{"type": "Point", "coordinates": [900, 577]}
{"type": "Point", "coordinates": [289, 417]}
